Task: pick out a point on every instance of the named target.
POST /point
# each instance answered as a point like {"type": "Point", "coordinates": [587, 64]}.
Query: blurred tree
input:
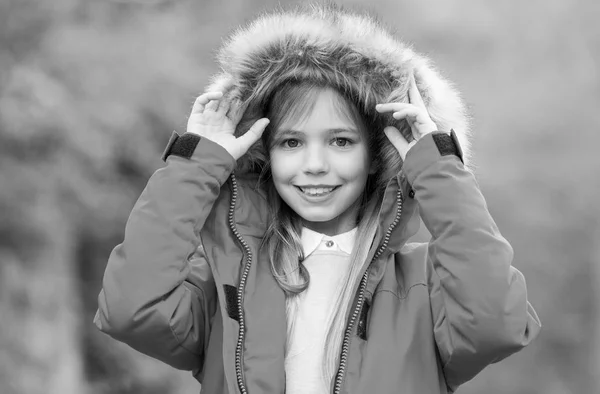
{"type": "Point", "coordinates": [90, 90]}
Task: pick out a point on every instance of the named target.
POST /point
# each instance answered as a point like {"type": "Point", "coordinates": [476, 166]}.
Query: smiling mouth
{"type": "Point", "coordinates": [317, 191]}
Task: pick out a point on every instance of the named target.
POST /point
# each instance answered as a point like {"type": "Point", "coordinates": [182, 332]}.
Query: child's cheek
{"type": "Point", "coordinates": [284, 165]}
{"type": "Point", "coordinates": [353, 166]}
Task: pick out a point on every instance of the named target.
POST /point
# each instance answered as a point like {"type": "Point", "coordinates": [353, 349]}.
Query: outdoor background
{"type": "Point", "coordinates": [91, 90]}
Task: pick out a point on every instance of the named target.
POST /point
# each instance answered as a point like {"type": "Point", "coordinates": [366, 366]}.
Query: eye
{"type": "Point", "coordinates": [291, 143]}
{"type": "Point", "coordinates": [342, 142]}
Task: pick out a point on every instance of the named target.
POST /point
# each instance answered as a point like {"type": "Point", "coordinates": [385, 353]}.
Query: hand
{"type": "Point", "coordinates": [415, 114]}
{"type": "Point", "coordinates": [216, 119]}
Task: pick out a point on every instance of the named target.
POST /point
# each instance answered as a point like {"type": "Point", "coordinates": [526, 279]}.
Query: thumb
{"type": "Point", "coordinates": [251, 136]}
{"type": "Point", "coordinates": [398, 140]}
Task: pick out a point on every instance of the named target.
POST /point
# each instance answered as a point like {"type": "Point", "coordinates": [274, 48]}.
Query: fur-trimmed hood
{"type": "Point", "coordinates": [350, 51]}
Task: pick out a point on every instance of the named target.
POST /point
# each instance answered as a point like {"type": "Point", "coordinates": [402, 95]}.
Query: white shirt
{"type": "Point", "coordinates": [327, 260]}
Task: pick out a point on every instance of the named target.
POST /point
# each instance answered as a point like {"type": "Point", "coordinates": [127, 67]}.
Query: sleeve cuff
{"type": "Point", "coordinates": [182, 146]}
{"type": "Point", "coordinates": [194, 148]}
{"type": "Point", "coordinates": [430, 149]}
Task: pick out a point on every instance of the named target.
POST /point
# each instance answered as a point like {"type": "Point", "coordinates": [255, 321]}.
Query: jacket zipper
{"type": "Point", "coordinates": [239, 349]}
{"type": "Point", "coordinates": [246, 269]}
{"type": "Point", "coordinates": [339, 377]}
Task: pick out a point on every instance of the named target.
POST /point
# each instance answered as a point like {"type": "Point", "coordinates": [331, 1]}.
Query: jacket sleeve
{"type": "Point", "coordinates": [158, 292]}
{"type": "Point", "coordinates": [478, 300]}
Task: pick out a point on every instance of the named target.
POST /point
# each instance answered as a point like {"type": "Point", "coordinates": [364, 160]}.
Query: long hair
{"type": "Point", "coordinates": [293, 101]}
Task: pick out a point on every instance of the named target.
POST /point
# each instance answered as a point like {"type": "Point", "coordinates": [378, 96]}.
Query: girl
{"type": "Point", "coordinates": [295, 273]}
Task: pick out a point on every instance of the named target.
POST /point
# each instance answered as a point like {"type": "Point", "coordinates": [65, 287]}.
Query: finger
{"type": "Point", "coordinates": [213, 105]}
{"type": "Point", "coordinates": [227, 85]}
{"type": "Point", "coordinates": [253, 134]}
{"type": "Point", "coordinates": [419, 123]}
{"type": "Point", "coordinates": [203, 99]}
{"type": "Point", "coordinates": [410, 113]}
{"type": "Point", "coordinates": [236, 110]}
{"type": "Point", "coordinates": [414, 96]}
{"type": "Point", "coordinates": [224, 107]}
{"type": "Point", "coordinates": [397, 139]}
{"type": "Point", "coordinates": [389, 107]}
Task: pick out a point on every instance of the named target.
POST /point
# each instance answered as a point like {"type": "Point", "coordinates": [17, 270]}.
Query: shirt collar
{"type": "Point", "coordinates": [312, 240]}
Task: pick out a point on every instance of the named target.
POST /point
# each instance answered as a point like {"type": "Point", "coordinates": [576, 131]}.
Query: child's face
{"type": "Point", "coordinates": [320, 166]}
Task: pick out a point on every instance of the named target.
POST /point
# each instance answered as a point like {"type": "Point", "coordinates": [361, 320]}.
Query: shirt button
{"type": "Point", "coordinates": [329, 244]}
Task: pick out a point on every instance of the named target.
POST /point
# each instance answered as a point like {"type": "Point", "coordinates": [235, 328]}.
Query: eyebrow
{"type": "Point", "coordinates": [334, 131]}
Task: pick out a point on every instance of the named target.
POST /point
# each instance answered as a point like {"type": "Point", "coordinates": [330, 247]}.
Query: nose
{"type": "Point", "coordinates": [316, 161]}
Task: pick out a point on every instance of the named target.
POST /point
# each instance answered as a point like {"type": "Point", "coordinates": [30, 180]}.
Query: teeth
{"type": "Point", "coordinates": [317, 191]}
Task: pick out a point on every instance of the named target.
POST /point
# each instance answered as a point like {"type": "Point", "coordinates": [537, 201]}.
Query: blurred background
{"type": "Point", "coordinates": [90, 91]}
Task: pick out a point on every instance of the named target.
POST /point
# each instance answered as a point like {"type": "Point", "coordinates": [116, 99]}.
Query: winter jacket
{"type": "Point", "coordinates": [191, 286]}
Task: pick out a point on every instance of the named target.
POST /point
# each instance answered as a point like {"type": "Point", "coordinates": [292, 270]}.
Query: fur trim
{"type": "Point", "coordinates": [327, 44]}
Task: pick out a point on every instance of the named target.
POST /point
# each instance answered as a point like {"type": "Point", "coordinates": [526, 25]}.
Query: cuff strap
{"type": "Point", "coordinates": [448, 144]}
{"type": "Point", "coordinates": [182, 146]}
